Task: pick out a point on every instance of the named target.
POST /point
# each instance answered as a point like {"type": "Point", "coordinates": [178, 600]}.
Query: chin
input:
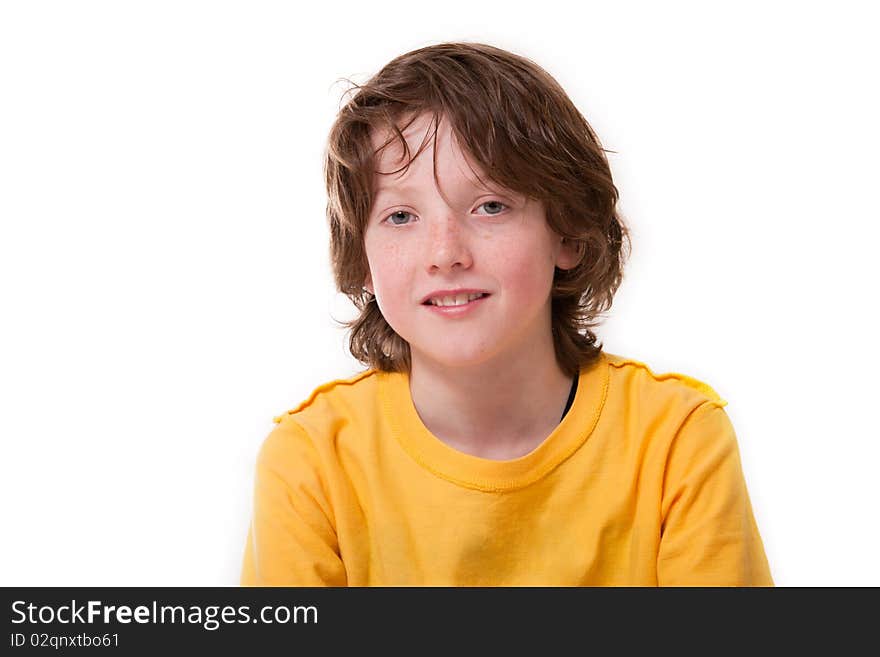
{"type": "Point", "coordinates": [458, 357]}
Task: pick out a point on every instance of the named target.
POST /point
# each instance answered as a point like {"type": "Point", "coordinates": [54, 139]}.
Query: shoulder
{"type": "Point", "coordinates": [301, 447]}
{"type": "Point", "coordinates": [340, 411]}
{"type": "Point", "coordinates": [634, 377]}
{"type": "Point", "coordinates": [672, 415]}
{"type": "Point", "coordinates": [333, 394]}
{"type": "Point", "coordinates": [358, 386]}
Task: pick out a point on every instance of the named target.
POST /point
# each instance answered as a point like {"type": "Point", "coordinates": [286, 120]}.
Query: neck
{"type": "Point", "coordinates": [496, 409]}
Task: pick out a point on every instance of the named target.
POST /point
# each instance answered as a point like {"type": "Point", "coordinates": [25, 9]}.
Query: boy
{"type": "Point", "coordinates": [491, 441]}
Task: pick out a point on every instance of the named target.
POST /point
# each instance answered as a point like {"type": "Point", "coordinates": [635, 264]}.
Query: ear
{"type": "Point", "coordinates": [368, 285]}
{"type": "Point", "coordinates": [569, 254]}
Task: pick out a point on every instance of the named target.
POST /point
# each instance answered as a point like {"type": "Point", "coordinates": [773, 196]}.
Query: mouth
{"type": "Point", "coordinates": [455, 301]}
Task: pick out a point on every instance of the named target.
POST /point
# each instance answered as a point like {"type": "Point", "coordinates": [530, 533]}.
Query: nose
{"type": "Point", "coordinates": [448, 246]}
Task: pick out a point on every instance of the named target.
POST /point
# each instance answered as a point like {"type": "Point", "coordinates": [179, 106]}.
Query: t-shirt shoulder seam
{"type": "Point", "coordinates": [700, 386]}
{"type": "Point", "coordinates": [323, 388]}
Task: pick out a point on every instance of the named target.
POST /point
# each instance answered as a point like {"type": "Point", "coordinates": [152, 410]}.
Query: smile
{"type": "Point", "coordinates": [456, 300]}
{"type": "Point", "coordinates": [455, 307]}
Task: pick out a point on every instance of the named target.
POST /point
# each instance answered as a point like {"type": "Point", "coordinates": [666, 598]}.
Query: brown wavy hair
{"type": "Point", "coordinates": [517, 123]}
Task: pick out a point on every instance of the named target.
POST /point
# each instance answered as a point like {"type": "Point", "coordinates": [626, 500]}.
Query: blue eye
{"type": "Point", "coordinates": [403, 214]}
{"type": "Point", "coordinates": [492, 214]}
{"type": "Point", "coordinates": [396, 213]}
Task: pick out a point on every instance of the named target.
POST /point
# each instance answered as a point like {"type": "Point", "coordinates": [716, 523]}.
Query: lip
{"type": "Point", "coordinates": [452, 293]}
{"type": "Point", "coordinates": [457, 311]}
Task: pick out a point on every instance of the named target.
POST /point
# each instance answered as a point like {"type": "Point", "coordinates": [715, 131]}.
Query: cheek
{"type": "Point", "coordinates": [530, 283]}
{"type": "Point", "coordinates": [385, 264]}
{"type": "Point", "coordinates": [526, 272]}
{"type": "Point", "coordinates": [390, 273]}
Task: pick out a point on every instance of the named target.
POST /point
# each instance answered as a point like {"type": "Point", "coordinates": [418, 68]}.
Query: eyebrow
{"type": "Point", "coordinates": [400, 188]}
{"type": "Point", "coordinates": [406, 187]}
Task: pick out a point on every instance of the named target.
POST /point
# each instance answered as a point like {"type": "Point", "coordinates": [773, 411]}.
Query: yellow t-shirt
{"type": "Point", "coordinates": [639, 485]}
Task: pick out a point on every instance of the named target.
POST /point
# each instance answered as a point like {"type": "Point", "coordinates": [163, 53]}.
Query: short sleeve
{"type": "Point", "coordinates": [292, 538]}
{"type": "Point", "coordinates": [709, 536]}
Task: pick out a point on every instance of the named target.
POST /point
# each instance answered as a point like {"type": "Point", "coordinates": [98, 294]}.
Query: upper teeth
{"type": "Point", "coordinates": [456, 300]}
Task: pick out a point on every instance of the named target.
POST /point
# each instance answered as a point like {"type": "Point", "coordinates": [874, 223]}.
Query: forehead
{"type": "Point", "coordinates": [418, 131]}
{"type": "Point", "coordinates": [415, 129]}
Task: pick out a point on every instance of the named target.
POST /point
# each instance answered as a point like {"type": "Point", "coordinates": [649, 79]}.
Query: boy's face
{"type": "Point", "coordinates": [420, 239]}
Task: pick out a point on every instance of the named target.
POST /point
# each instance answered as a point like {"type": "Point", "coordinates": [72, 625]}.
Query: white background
{"type": "Point", "coordinates": [166, 290]}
